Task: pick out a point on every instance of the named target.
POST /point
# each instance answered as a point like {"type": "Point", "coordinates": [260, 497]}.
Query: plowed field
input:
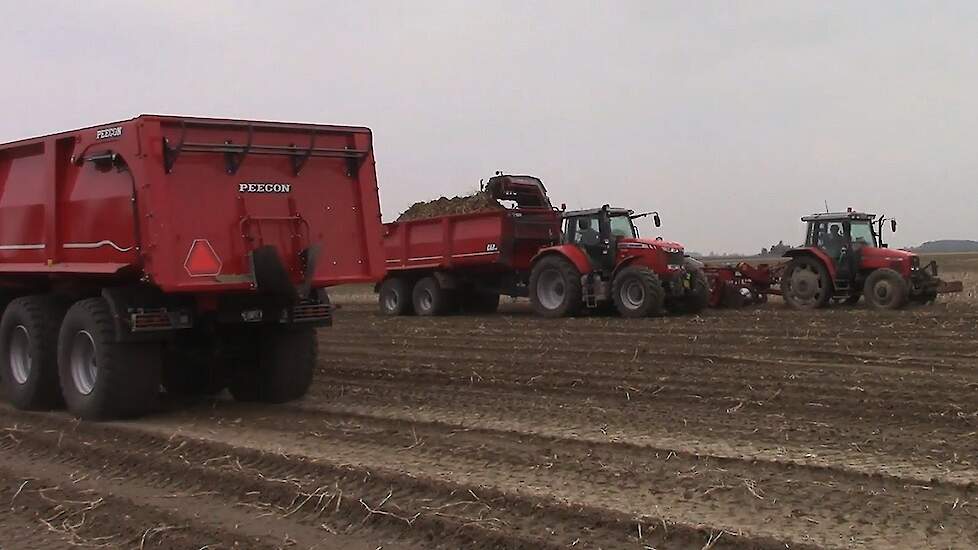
{"type": "Point", "coordinates": [759, 428]}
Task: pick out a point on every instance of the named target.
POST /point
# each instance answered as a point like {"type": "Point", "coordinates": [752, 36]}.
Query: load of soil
{"type": "Point", "coordinates": [467, 204]}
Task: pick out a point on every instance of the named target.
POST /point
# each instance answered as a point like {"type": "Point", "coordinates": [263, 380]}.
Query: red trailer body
{"type": "Point", "coordinates": [475, 256]}
{"type": "Point", "coordinates": [185, 225]}
{"type": "Point", "coordinates": [493, 241]}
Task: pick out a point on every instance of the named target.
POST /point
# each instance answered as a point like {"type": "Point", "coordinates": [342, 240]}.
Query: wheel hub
{"type": "Point", "coordinates": [20, 354]}
{"type": "Point", "coordinates": [84, 369]}
{"type": "Point", "coordinates": [551, 289]}
{"type": "Point", "coordinates": [427, 300]}
{"type": "Point", "coordinates": [804, 284]}
{"type": "Point", "coordinates": [632, 294]}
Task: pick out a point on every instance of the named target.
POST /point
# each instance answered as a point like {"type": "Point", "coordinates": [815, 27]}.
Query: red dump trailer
{"type": "Point", "coordinates": [187, 253]}
{"type": "Point", "coordinates": [465, 261]}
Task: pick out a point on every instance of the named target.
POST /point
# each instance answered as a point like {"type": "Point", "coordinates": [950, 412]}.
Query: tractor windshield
{"type": "Point", "coordinates": [621, 226]}
{"type": "Point", "coordinates": [861, 233]}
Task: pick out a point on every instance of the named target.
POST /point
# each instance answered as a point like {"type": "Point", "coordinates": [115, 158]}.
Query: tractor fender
{"type": "Point", "coordinates": [816, 253]}
{"type": "Point", "coordinates": [623, 263]}
{"type": "Point", "coordinates": [572, 253]}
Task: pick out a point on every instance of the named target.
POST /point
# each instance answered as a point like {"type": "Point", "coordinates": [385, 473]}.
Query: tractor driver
{"type": "Point", "coordinates": [835, 241]}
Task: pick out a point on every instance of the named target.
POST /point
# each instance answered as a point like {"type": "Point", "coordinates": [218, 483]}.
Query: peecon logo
{"type": "Point", "coordinates": [260, 187]}
{"type": "Point", "coordinates": [106, 133]}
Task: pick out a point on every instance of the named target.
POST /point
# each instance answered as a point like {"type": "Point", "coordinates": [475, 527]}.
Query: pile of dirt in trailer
{"type": "Point", "coordinates": [479, 202]}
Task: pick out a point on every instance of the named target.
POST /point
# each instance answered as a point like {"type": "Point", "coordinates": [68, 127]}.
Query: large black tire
{"type": "Point", "coordinates": [191, 366]}
{"type": "Point", "coordinates": [697, 296]}
{"type": "Point", "coordinates": [637, 292]}
{"type": "Point", "coordinates": [806, 283]}
{"type": "Point", "coordinates": [394, 297]}
{"type": "Point", "coordinates": [555, 287]}
{"type": "Point", "coordinates": [271, 364]}
{"type": "Point", "coordinates": [474, 301]}
{"type": "Point", "coordinates": [886, 289]}
{"type": "Point", "coordinates": [430, 299]}
{"type": "Point", "coordinates": [29, 352]}
{"type": "Point", "coordinates": [101, 378]}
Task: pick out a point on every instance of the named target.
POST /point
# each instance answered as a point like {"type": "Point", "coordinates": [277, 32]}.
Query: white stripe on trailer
{"type": "Point", "coordinates": [98, 244]}
{"type": "Point", "coordinates": [469, 254]}
{"type": "Point", "coordinates": [21, 246]}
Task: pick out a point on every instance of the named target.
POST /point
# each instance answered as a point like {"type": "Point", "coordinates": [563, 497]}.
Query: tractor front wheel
{"type": "Point", "coordinates": [637, 292]}
{"type": "Point", "coordinates": [806, 284]}
{"type": "Point", "coordinates": [886, 289]}
{"type": "Point", "coordinates": [555, 287]}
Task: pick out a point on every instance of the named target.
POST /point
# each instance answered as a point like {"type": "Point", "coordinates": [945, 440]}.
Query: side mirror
{"type": "Point", "coordinates": [656, 220]}
{"type": "Point", "coordinates": [563, 206]}
{"type": "Point", "coordinates": [893, 226]}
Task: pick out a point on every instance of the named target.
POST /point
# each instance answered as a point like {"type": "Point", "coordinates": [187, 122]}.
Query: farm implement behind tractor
{"type": "Point", "coordinates": [843, 260]}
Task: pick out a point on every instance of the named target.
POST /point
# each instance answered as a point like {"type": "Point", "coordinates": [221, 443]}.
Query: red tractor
{"type": "Point", "coordinates": [845, 258]}
{"type": "Point", "coordinates": [601, 259]}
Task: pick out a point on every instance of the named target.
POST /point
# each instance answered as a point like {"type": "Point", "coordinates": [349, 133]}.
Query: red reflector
{"type": "Point", "coordinates": [202, 261]}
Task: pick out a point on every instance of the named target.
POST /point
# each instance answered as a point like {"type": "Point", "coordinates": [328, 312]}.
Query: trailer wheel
{"type": "Point", "coordinates": [697, 297]}
{"type": "Point", "coordinates": [886, 289]}
{"type": "Point", "coordinates": [429, 298]}
{"type": "Point", "coordinates": [555, 287]}
{"type": "Point", "coordinates": [806, 284]}
{"type": "Point", "coordinates": [637, 292]}
{"type": "Point", "coordinates": [100, 377]}
{"type": "Point", "coordinates": [272, 365]}
{"type": "Point", "coordinates": [395, 297]}
{"type": "Point", "coordinates": [29, 352]}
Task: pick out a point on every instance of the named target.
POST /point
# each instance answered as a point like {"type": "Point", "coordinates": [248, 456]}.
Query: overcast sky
{"type": "Point", "coordinates": [731, 118]}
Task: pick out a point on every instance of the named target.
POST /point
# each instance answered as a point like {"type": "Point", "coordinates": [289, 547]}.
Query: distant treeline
{"type": "Point", "coordinates": [949, 245]}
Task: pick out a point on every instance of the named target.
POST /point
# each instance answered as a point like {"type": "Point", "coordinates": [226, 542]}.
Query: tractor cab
{"type": "Point", "coordinates": [599, 231]}
{"type": "Point", "coordinates": [845, 238]}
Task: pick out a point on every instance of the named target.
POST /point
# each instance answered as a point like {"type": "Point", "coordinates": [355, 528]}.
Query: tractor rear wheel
{"type": "Point", "coordinates": [395, 297]}
{"type": "Point", "coordinates": [806, 284]}
{"type": "Point", "coordinates": [697, 296]}
{"type": "Point", "coordinates": [886, 289]}
{"type": "Point", "coordinates": [637, 292]}
{"type": "Point", "coordinates": [429, 298]}
{"type": "Point", "coordinates": [555, 287]}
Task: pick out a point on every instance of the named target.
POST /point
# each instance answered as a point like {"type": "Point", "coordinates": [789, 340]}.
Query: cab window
{"type": "Point", "coordinates": [621, 226]}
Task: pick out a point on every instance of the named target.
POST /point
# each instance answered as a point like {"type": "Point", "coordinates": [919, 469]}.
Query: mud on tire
{"type": "Point", "coordinates": [430, 299]}
{"type": "Point", "coordinates": [806, 284]}
{"type": "Point", "coordinates": [29, 352]}
{"type": "Point", "coordinates": [637, 292]}
{"type": "Point", "coordinates": [394, 297]}
{"type": "Point", "coordinates": [100, 378]}
{"type": "Point", "coordinates": [271, 364]}
{"type": "Point", "coordinates": [886, 289]}
{"type": "Point", "coordinates": [555, 287]}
